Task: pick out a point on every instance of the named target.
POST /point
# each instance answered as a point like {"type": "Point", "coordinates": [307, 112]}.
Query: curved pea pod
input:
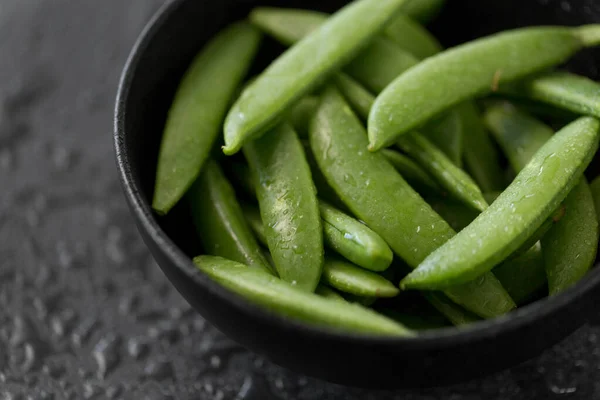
{"type": "Point", "coordinates": [301, 114]}
{"type": "Point", "coordinates": [302, 67]}
{"type": "Point", "coordinates": [456, 214]}
{"type": "Point", "coordinates": [571, 92]}
{"type": "Point", "coordinates": [570, 246]}
{"type": "Point", "coordinates": [447, 174]}
{"type": "Point", "coordinates": [255, 222]}
{"type": "Point", "coordinates": [517, 213]}
{"type": "Point", "coordinates": [524, 277]}
{"type": "Point", "coordinates": [480, 156]}
{"type": "Point", "coordinates": [349, 278]}
{"type": "Point", "coordinates": [412, 172]}
{"type": "Point", "coordinates": [447, 134]}
{"type": "Point", "coordinates": [472, 69]}
{"type": "Point", "coordinates": [199, 106]}
{"type": "Point", "coordinates": [289, 301]}
{"type": "Point", "coordinates": [595, 188]}
{"type": "Point", "coordinates": [455, 314]}
{"type": "Point", "coordinates": [288, 205]}
{"type": "Point", "coordinates": [423, 11]}
{"type": "Point", "coordinates": [327, 292]}
{"type": "Point", "coordinates": [220, 222]}
{"type": "Point", "coordinates": [412, 37]}
{"type": "Point", "coordinates": [354, 240]}
{"type": "Point", "coordinates": [377, 195]}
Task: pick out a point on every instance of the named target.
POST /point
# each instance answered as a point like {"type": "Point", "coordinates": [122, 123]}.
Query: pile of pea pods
{"type": "Point", "coordinates": [369, 180]}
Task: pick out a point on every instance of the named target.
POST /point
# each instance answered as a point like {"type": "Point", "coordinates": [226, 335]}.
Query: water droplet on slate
{"type": "Point", "coordinates": [113, 248]}
{"type": "Point", "coordinates": [84, 330]}
{"type": "Point", "coordinates": [128, 303]}
{"type": "Point", "coordinates": [136, 347]}
{"type": "Point", "coordinates": [106, 353]}
{"type": "Point", "coordinates": [159, 369]}
{"type": "Point", "coordinates": [215, 361]}
{"type": "Point", "coordinates": [20, 332]}
{"type": "Point", "coordinates": [90, 390]}
{"type": "Point", "coordinates": [112, 392]}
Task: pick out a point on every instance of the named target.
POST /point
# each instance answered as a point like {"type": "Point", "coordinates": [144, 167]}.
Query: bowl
{"type": "Point", "coordinates": [159, 58]}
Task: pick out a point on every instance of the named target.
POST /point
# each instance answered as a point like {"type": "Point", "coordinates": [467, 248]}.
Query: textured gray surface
{"type": "Point", "coordinates": [84, 311]}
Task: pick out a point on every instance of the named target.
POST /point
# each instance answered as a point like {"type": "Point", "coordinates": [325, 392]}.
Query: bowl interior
{"type": "Point", "coordinates": [152, 77]}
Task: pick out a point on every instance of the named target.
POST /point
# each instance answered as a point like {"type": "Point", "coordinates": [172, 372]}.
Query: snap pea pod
{"type": "Point", "coordinates": [301, 114]}
{"type": "Point", "coordinates": [570, 246]}
{"type": "Point", "coordinates": [255, 222]}
{"type": "Point", "coordinates": [517, 213]}
{"type": "Point", "coordinates": [378, 195]}
{"type": "Point", "coordinates": [302, 67]}
{"type": "Point", "coordinates": [329, 293]}
{"type": "Point", "coordinates": [481, 157]}
{"type": "Point", "coordinates": [412, 37]}
{"type": "Point", "coordinates": [289, 301]}
{"type": "Point", "coordinates": [354, 240]}
{"type": "Point", "coordinates": [524, 277]}
{"type": "Point", "coordinates": [456, 314]}
{"type": "Point", "coordinates": [456, 214]}
{"type": "Point", "coordinates": [412, 172]}
{"type": "Point", "coordinates": [196, 114]}
{"type": "Point", "coordinates": [349, 278]}
{"type": "Point", "coordinates": [447, 134]}
{"type": "Point", "coordinates": [423, 11]}
{"type": "Point", "coordinates": [219, 219]}
{"type": "Point", "coordinates": [571, 92]}
{"type": "Point", "coordinates": [472, 69]}
{"type": "Point", "coordinates": [595, 188]}
{"type": "Point", "coordinates": [288, 205]}
{"type": "Point", "coordinates": [448, 175]}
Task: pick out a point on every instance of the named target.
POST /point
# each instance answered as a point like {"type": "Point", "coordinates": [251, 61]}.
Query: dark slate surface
{"type": "Point", "coordinates": [84, 311]}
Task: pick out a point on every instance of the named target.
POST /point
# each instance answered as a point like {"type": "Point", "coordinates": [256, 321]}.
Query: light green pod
{"type": "Point", "coordinates": [456, 314]}
{"type": "Point", "coordinates": [570, 246]}
{"type": "Point", "coordinates": [255, 222]}
{"type": "Point", "coordinates": [517, 213]}
{"type": "Point", "coordinates": [456, 214]}
{"type": "Point", "coordinates": [288, 206]}
{"type": "Point", "coordinates": [447, 134]}
{"type": "Point", "coordinates": [524, 277]}
{"type": "Point", "coordinates": [349, 278]}
{"type": "Point", "coordinates": [472, 69]}
{"type": "Point", "coordinates": [378, 195]}
{"type": "Point", "coordinates": [423, 11]}
{"type": "Point", "coordinates": [481, 157]}
{"type": "Point", "coordinates": [199, 106]}
{"type": "Point", "coordinates": [412, 37]}
{"type": "Point", "coordinates": [289, 301]}
{"type": "Point", "coordinates": [412, 172]}
{"type": "Point", "coordinates": [571, 92]}
{"type": "Point", "coordinates": [447, 174]}
{"type": "Point", "coordinates": [302, 67]}
{"type": "Point", "coordinates": [220, 222]}
{"type": "Point", "coordinates": [327, 292]}
{"type": "Point", "coordinates": [354, 240]}
{"type": "Point", "coordinates": [301, 114]}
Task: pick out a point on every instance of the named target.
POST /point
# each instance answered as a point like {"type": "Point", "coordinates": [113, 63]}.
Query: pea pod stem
{"type": "Point", "coordinates": [521, 209]}
{"type": "Point", "coordinates": [430, 88]}
{"type": "Point", "coordinates": [197, 111]}
{"type": "Point", "coordinates": [302, 67]}
{"type": "Point", "coordinates": [413, 230]}
{"type": "Point", "coordinates": [288, 301]}
{"type": "Point", "coordinates": [288, 205]}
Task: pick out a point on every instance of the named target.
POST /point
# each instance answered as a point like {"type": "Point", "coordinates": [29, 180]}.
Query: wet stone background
{"type": "Point", "coordinates": [85, 313]}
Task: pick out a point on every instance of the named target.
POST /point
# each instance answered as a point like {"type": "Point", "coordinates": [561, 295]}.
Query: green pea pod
{"type": "Point", "coordinates": [289, 301]}
{"type": "Point", "coordinates": [539, 233]}
{"type": "Point", "coordinates": [423, 11]}
{"type": "Point", "coordinates": [469, 70]}
{"type": "Point", "coordinates": [349, 278]}
{"type": "Point", "coordinates": [354, 240]}
{"type": "Point", "coordinates": [571, 92]}
{"type": "Point", "coordinates": [302, 67]}
{"type": "Point", "coordinates": [197, 111]}
{"type": "Point", "coordinates": [255, 222]}
{"type": "Point", "coordinates": [412, 37]}
{"type": "Point", "coordinates": [371, 187]}
{"type": "Point", "coordinates": [517, 213]}
{"type": "Point", "coordinates": [480, 156]}
{"type": "Point", "coordinates": [362, 300]}
{"type": "Point", "coordinates": [595, 188]}
{"type": "Point", "coordinates": [412, 172]}
{"type": "Point", "coordinates": [570, 246]}
{"type": "Point", "coordinates": [448, 175]}
{"type": "Point", "coordinates": [447, 134]}
{"type": "Point", "coordinates": [523, 277]}
{"type": "Point", "coordinates": [456, 214]}
{"type": "Point", "coordinates": [220, 222]}
{"type": "Point", "coordinates": [301, 114]}
{"type": "Point", "coordinates": [288, 205]}
{"type": "Point", "coordinates": [456, 314]}
{"type": "Point", "coordinates": [329, 293]}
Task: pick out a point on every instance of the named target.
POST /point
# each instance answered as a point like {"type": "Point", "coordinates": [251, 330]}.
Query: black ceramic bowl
{"type": "Point", "coordinates": [152, 73]}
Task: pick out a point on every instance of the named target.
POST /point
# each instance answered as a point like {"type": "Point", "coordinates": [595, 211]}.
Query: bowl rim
{"type": "Point", "coordinates": [438, 338]}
